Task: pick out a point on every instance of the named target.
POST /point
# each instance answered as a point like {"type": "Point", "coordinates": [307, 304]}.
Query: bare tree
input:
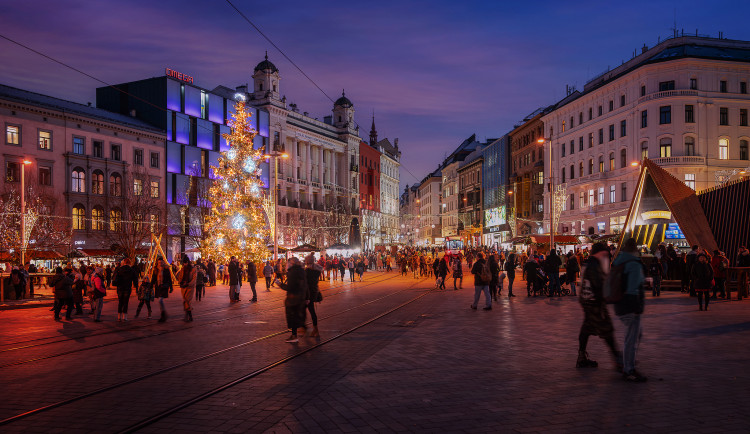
{"type": "Point", "coordinates": [336, 220]}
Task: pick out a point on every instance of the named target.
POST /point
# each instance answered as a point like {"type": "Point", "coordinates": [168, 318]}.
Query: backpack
{"type": "Point", "coordinates": [485, 273]}
{"type": "Point", "coordinates": [614, 285]}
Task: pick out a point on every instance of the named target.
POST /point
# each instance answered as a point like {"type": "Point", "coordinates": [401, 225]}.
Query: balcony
{"type": "Point", "coordinates": [691, 160]}
{"type": "Point", "coordinates": [668, 94]}
{"type": "Point", "coordinates": [315, 184]}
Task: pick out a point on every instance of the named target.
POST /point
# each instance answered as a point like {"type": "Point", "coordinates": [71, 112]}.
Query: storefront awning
{"type": "Point", "coordinates": [559, 239]}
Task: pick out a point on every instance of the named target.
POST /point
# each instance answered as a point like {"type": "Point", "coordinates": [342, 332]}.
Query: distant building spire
{"type": "Point", "coordinates": [373, 131]}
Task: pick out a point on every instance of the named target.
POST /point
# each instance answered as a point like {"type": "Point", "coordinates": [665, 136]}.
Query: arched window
{"type": "Point", "coordinates": [601, 163]}
{"type": "Point", "coordinates": [115, 185]}
{"type": "Point", "coordinates": [623, 158]}
{"type": "Point", "coordinates": [572, 171]}
{"type": "Point", "coordinates": [563, 174]}
{"type": "Point", "coordinates": [665, 147]}
{"type": "Point", "coordinates": [644, 150]}
{"type": "Point", "coordinates": [743, 150]}
{"type": "Point", "coordinates": [580, 168]}
{"type": "Point", "coordinates": [591, 166]}
{"type": "Point", "coordinates": [79, 217]}
{"type": "Point", "coordinates": [97, 219]}
{"type": "Point", "coordinates": [689, 146]}
{"type": "Point", "coordinates": [97, 182]}
{"type": "Point", "coordinates": [611, 161]}
{"type": "Point", "coordinates": [723, 149]}
{"type": "Point", "coordinates": [78, 182]}
{"type": "Point", "coordinates": [115, 219]}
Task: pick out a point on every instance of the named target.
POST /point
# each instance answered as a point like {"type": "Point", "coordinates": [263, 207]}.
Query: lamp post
{"type": "Point", "coordinates": [23, 211]}
{"type": "Point", "coordinates": [275, 156]}
{"type": "Point", "coordinates": [541, 141]}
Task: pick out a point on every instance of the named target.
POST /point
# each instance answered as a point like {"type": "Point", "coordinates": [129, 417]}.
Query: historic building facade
{"type": "Point", "coordinates": [526, 179]}
{"type": "Point", "coordinates": [429, 201]}
{"type": "Point", "coordinates": [683, 104]}
{"type": "Point", "coordinates": [470, 218]}
{"type": "Point", "coordinates": [408, 213]}
{"type": "Point", "coordinates": [494, 180]}
{"type": "Point", "coordinates": [369, 196]}
{"type": "Point", "coordinates": [390, 163]}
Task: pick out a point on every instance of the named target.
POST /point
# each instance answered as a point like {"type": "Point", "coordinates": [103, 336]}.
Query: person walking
{"type": "Point", "coordinates": [442, 271]}
{"type": "Point", "coordinates": [125, 279]}
{"type": "Point", "coordinates": [458, 273]}
{"type": "Point", "coordinates": [596, 319]}
{"type": "Point", "coordinates": [530, 268]}
{"type": "Point", "coordinates": [63, 285]}
{"type": "Point", "coordinates": [342, 267]}
{"type": "Point", "coordinates": [79, 287]}
{"type": "Point", "coordinates": [360, 268]}
{"type": "Point", "coordinates": [690, 259]}
{"type": "Point", "coordinates": [99, 291]}
{"type": "Point", "coordinates": [296, 297]}
{"type": "Point", "coordinates": [211, 266]}
{"type": "Point", "coordinates": [312, 273]}
{"type": "Point", "coordinates": [656, 272]}
{"type": "Point", "coordinates": [145, 293]}
{"type": "Point", "coordinates": [495, 273]}
{"type": "Point", "coordinates": [252, 279]}
{"type": "Point", "coordinates": [631, 306]}
{"type": "Point", "coordinates": [551, 267]}
{"type": "Point", "coordinates": [268, 275]}
{"type": "Point", "coordinates": [511, 262]}
{"type": "Point", "coordinates": [572, 267]}
{"type": "Point", "coordinates": [201, 280]}
{"type": "Point", "coordinates": [187, 277]}
{"type": "Point", "coordinates": [719, 265]}
{"type": "Point", "coordinates": [482, 277]}
{"type": "Point", "coordinates": [233, 271]}
{"type": "Point", "coordinates": [163, 286]}
{"type": "Point", "coordinates": [703, 276]}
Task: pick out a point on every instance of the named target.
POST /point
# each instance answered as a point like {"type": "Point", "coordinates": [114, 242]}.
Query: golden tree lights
{"type": "Point", "coordinates": [237, 223]}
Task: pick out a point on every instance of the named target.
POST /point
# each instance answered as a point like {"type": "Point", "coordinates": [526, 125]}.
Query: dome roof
{"type": "Point", "coordinates": [343, 101]}
{"type": "Point", "coordinates": [266, 64]}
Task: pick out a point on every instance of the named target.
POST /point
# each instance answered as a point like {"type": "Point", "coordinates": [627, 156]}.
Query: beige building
{"type": "Point", "coordinates": [450, 206]}
{"type": "Point", "coordinates": [429, 203]}
{"type": "Point", "coordinates": [408, 215]}
{"type": "Point", "coordinates": [683, 103]}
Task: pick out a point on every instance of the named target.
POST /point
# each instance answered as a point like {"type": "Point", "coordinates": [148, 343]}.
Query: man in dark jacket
{"type": "Point", "coordinates": [631, 306]}
{"type": "Point", "coordinates": [552, 269]}
{"type": "Point", "coordinates": [596, 319]}
{"type": "Point", "coordinates": [511, 262]}
{"type": "Point", "coordinates": [234, 279]}
{"type": "Point", "coordinates": [125, 279]}
{"type": "Point", "coordinates": [481, 282]}
{"type": "Point", "coordinates": [63, 286]}
{"type": "Point", "coordinates": [572, 267]}
{"type": "Point", "coordinates": [530, 268]}
{"type": "Point", "coordinates": [211, 272]}
{"type": "Point", "coordinates": [252, 278]}
{"type": "Point", "coordinates": [297, 297]}
{"type": "Point", "coordinates": [690, 260]}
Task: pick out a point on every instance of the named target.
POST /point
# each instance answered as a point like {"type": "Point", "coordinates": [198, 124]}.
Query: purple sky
{"type": "Point", "coordinates": [434, 71]}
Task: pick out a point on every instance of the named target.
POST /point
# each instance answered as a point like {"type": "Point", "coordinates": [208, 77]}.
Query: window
{"type": "Point", "coordinates": [601, 135]}
{"type": "Point", "coordinates": [540, 178]}
{"type": "Point", "coordinates": [115, 153]}
{"type": "Point", "coordinates": [601, 164]}
{"type": "Point", "coordinates": [612, 194]}
{"type": "Point", "coordinates": [623, 158]}
{"type": "Point", "coordinates": [693, 83]}
{"type": "Point", "coordinates": [138, 157]}
{"type": "Point", "coordinates": [572, 171]}
{"type": "Point", "coordinates": [723, 86]}
{"type": "Point", "coordinates": [582, 199]}
{"type": "Point", "coordinates": [723, 149]}
{"type": "Point", "coordinates": [666, 85]}
{"type": "Point", "coordinates": [743, 87]}
{"type": "Point", "coordinates": [644, 150]}
{"type": "Point", "coordinates": [137, 187]}
{"type": "Point", "coordinates": [591, 166]}
{"type": "Point", "coordinates": [12, 135]}
{"type": "Point", "coordinates": [690, 180]}
{"type": "Point", "coordinates": [98, 146]}
{"type": "Point", "coordinates": [689, 114]}
{"type": "Point", "coordinates": [79, 218]}
{"type": "Point", "coordinates": [79, 145]}
{"type": "Point", "coordinates": [115, 185]}
{"type": "Point", "coordinates": [45, 175]}
{"type": "Point", "coordinates": [644, 118]}
{"type": "Point", "coordinates": [689, 146]}
{"type": "Point", "coordinates": [611, 161]}
{"type": "Point", "coordinates": [154, 221]}
{"type": "Point", "coordinates": [665, 114]}
{"type": "Point", "coordinates": [591, 113]}
{"type": "Point", "coordinates": [115, 219]}
{"type": "Point", "coordinates": [572, 201]}
{"type": "Point", "coordinates": [622, 100]}
{"type": "Point", "coordinates": [601, 195]}
{"type": "Point", "coordinates": [12, 171]}
{"type": "Point", "coordinates": [591, 140]}
{"type": "Point", "coordinates": [78, 184]}
{"type": "Point", "coordinates": [643, 90]}
{"type": "Point", "coordinates": [563, 175]}
{"type": "Point", "coordinates": [97, 219]}
{"type": "Point", "coordinates": [600, 110]}
{"type": "Point", "coordinates": [743, 117]}
{"type": "Point", "coordinates": [563, 126]}
{"type": "Point", "coordinates": [623, 128]}
{"type": "Point", "coordinates": [623, 192]}
{"type": "Point", "coordinates": [580, 143]}
{"type": "Point", "coordinates": [580, 118]}
{"type": "Point", "coordinates": [723, 116]}
{"type": "Point", "coordinates": [665, 148]}
{"type": "Point", "coordinates": [611, 132]}
{"type": "Point", "coordinates": [97, 182]}
{"type": "Point", "coordinates": [45, 140]}
{"type": "Point", "coordinates": [155, 160]}
{"type": "Point", "coordinates": [743, 150]}
{"type": "Point", "coordinates": [572, 147]}
{"type": "Point", "coordinates": [571, 122]}
{"type": "Point", "coordinates": [155, 189]}
{"type": "Point", "coordinates": [591, 197]}
{"type": "Point", "coordinates": [580, 169]}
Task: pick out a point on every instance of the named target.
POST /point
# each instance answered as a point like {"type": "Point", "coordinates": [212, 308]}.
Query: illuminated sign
{"type": "Point", "coordinates": [178, 75]}
{"type": "Point", "coordinates": [650, 215]}
{"type": "Point", "coordinates": [494, 216]}
{"type": "Point", "coordinates": [673, 232]}
{"type": "Point", "coordinates": [80, 243]}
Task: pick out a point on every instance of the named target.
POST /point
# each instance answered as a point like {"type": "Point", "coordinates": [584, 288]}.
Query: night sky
{"type": "Point", "coordinates": [434, 72]}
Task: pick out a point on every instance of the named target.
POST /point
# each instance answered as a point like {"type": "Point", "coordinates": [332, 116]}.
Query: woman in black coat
{"type": "Point", "coordinates": [297, 297]}
{"type": "Point", "coordinates": [703, 276]}
{"type": "Point", "coordinates": [312, 274]}
{"type": "Point", "coordinates": [162, 281]}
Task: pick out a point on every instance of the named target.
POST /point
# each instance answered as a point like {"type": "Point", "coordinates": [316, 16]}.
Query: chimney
{"type": "Point", "coordinates": [132, 112]}
{"type": "Point", "coordinates": [395, 142]}
{"type": "Point", "coordinates": [644, 48]}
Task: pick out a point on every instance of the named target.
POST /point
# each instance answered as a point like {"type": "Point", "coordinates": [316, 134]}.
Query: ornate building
{"type": "Point", "coordinates": [526, 179]}
{"type": "Point", "coordinates": [390, 158]}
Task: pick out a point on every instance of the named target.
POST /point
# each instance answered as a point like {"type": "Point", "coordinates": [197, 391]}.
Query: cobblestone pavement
{"type": "Point", "coordinates": [434, 365]}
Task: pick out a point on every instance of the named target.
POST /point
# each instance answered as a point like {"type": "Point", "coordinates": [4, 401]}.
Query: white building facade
{"type": "Point", "coordinates": [390, 158]}
{"type": "Point", "coordinates": [429, 203]}
{"type": "Point", "coordinates": [683, 104]}
{"type": "Point", "coordinates": [449, 208]}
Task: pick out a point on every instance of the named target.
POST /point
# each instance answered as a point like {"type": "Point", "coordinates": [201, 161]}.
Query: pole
{"type": "Point", "coordinates": [551, 201]}
{"type": "Point", "coordinates": [23, 215]}
{"type": "Point", "coordinates": [275, 204]}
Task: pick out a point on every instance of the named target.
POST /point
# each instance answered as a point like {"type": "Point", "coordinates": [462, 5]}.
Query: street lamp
{"type": "Point", "coordinates": [275, 156]}
{"type": "Point", "coordinates": [541, 141]}
{"type": "Point", "coordinates": [23, 212]}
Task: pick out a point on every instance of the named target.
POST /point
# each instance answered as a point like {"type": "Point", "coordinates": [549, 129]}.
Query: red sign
{"type": "Point", "coordinates": [178, 75]}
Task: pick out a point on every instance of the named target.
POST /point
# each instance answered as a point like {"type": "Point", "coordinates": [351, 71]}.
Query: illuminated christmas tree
{"type": "Point", "coordinates": [237, 223]}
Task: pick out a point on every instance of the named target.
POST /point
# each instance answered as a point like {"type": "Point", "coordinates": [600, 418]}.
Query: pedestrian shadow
{"type": "Point", "coordinates": [719, 330]}
{"type": "Point", "coordinates": [74, 330]}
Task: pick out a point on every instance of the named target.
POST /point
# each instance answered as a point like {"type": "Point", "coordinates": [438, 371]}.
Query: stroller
{"type": "Point", "coordinates": [540, 283]}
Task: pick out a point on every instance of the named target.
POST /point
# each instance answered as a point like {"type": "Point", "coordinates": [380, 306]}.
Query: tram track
{"type": "Point", "coordinates": [256, 372]}
{"type": "Point", "coordinates": [160, 333]}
